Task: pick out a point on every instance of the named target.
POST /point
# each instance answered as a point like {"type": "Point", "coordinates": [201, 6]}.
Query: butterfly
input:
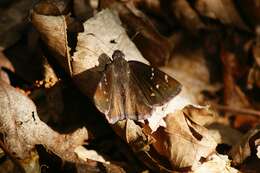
{"type": "Point", "coordinates": [131, 89]}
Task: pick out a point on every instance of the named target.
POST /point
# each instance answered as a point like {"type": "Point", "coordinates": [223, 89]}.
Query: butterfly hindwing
{"type": "Point", "coordinates": [156, 86]}
{"type": "Point", "coordinates": [136, 106]}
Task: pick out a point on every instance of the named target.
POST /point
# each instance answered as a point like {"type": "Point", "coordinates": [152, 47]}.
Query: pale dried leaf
{"type": "Point", "coordinates": [96, 39]}
{"type": "Point", "coordinates": [182, 100]}
{"type": "Point", "coordinates": [216, 164]}
{"type": "Point", "coordinates": [85, 154]}
{"type": "Point", "coordinates": [191, 69]}
{"type": "Point", "coordinates": [23, 129]}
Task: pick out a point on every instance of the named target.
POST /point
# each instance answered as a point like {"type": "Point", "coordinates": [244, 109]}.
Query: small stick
{"type": "Point", "coordinates": [252, 112]}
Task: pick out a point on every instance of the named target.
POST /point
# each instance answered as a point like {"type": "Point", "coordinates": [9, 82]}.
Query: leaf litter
{"type": "Point", "coordinates": [47, 111]}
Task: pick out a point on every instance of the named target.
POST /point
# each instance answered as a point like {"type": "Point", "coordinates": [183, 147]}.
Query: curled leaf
{"type": "Point", "coordinates": [183, 141]}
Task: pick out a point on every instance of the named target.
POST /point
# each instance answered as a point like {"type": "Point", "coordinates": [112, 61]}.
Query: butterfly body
{"type": "Point", "coordinates": [130, 89]}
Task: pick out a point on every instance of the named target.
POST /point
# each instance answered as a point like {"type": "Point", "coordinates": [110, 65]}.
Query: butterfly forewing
{"type": "Point", "coordinates": [156, 86]}
{"type": "Point", "coordinates": [102, 97]}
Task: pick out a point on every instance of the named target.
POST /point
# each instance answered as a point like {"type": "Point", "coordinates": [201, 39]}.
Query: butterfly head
{"type": "Point", "coordinates": [118, 54]}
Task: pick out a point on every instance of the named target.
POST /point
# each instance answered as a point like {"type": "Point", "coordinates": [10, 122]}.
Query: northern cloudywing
{"type": "Point", "coordinates": [130, 89]}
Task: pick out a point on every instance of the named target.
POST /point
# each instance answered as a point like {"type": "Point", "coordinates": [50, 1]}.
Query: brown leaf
{"type": "Point", "coordinates": [250, 11]}
{"type": "Point", "coordinates": [246, 147]}
{"type": "Point", "coordinates": [186, 15]}
{"type": "Point", "coordinates": [154, 47]}
{"type": "Point", "coordinates": [233, 95]}
{"type": "Point", "coordinates": [132, 134]}
{"type": "Point", "coordinates": [254, 72]}
{"type": "Point", "coordinates": [184, 142]}
{"type": "Point", "coordinates": [52, 7]}
{"type": "Point", "coordinates": [82, 9]}
{"type": "Point", "coordinates": [223, 10]}
{"type": "Point", "coordinates": [13, 20]}
{"type": "Point", "coordinates": [5, 63]}
{"type": "Point", "coordinates": [53, 30]}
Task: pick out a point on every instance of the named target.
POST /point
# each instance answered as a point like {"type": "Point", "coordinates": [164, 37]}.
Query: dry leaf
{"type": "Point", "coordinates": [224, 134]}
{"type": "Point", "coordinates": [223, 10]}
{"type": "Point", "coordinates": [233, 95]}
{"type": "Point", "coordinates": [82, 9]}
{"type": "Point", "coordinates": [22, 129]}
{"type": "Point", "coordinates": [254, 73]}
{"type": "Point", "coordinates": [186, 15]}
{"type": "Point", "coordinates": [154, 46]}
{"type": "Point", "coordinates": [85, 154]}
{"type": "Point", "coordinates": [13, 21]}
{"type": "Point", "coordinates": [250, 11]}
{"type": "Point", "coordinates": [257, 144]}
{"type": "Point", "coordinates": [216, 164]}
{"type": "Point", "coordinates": [184, 142]}
{"type": "Point", "coordinates": [191, 69]}
{"type": "Point", "coordinates": [100, 33]}
{"type": "Point", "coordinates": [246, 146]}
{"type": "Point", "coordinates": [53, 30]}
{"type": "Point", "coordinates": [6, 64]}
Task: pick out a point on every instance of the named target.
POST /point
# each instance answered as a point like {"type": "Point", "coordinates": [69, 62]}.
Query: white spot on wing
{"type": "Point", "coordinates": [152, 75]}
{"type": "Point", "coordinates": [152, 94]}
{"type": "Point", "coordinates": [166, 78]}
{"type": "Point", "coordinates": [157, 86]}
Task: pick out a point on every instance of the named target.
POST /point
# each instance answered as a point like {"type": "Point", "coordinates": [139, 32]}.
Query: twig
{"type": "Point", "coordinates": [247, 111]}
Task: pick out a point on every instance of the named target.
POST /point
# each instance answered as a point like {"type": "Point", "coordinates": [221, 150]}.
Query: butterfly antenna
{"type": "Point", "coordinates": [135, 35]}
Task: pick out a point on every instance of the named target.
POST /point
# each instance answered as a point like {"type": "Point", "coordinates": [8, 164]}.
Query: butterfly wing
{"type": "Point", "coordinates": [137, 106]}
{"type": "Point", "coordinates": [133, 93]}
{"type": "Point", "coordinates": [109, 96]}
{"type": "Point", "coordinates": [102, 94]}
{"type": "Point", "coordinates": [156, 86]}
{"type": "Point", "coordinates": [120, 97]}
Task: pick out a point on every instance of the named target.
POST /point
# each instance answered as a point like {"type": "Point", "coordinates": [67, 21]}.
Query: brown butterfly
{"type": "Point", "coordinates": [130, 89]}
